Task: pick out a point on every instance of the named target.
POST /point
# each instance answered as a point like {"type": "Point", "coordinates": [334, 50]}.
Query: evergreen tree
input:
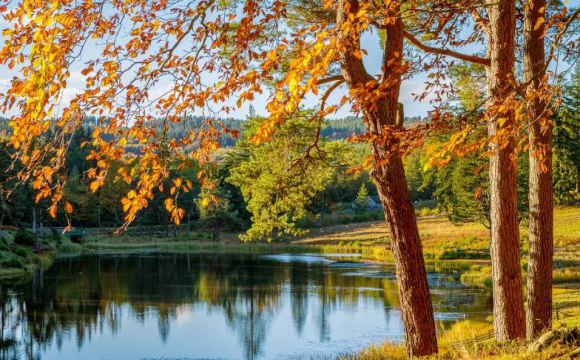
{"type": "Point", "coordinates": [362, 199]}
{"type": "Point", "coordinates": [277, 188]}
{"type": "Point", "coordinates": [215, 213]}
{"type": "Point", "coordinates": [567, 143]}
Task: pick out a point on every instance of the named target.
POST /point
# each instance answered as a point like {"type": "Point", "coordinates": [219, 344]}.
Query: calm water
{"type": "Point", "coordinates": [206, 306]}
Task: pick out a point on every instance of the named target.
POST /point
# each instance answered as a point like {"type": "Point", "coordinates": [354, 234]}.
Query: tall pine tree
{"type": "Point", "coordinates": [567, 143]}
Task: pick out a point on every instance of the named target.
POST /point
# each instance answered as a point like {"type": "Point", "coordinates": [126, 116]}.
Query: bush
{"type": "Point", "coordinates": [55, 237]}
{"type": "Point", "coordinates": [4, 241]}
{"type": "Point", "coordinates": [24, 253]}
{"type": "Point", "coordinates": [12, 262]}
{"type": "Point", "coordinates": [4, 247]}
{"type": "Point", "coordinates": [24, 237]}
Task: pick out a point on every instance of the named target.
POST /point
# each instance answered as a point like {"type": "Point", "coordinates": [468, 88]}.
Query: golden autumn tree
{"type": "Point", "coordinates": [541, 227]}
{"type": "Point", "coordinates": [540, 99]}
{"type": "Point", "coordinates": [518, 117]}
{"type": "Point", "coordinates": [145, 62]}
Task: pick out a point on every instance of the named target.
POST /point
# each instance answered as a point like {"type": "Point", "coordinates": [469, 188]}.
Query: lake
{"type": "Point", "coordinates": [215, 306]}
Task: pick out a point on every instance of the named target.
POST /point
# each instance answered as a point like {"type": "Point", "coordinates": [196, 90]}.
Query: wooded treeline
{"type": "Point", "coordinates": [451, 188]}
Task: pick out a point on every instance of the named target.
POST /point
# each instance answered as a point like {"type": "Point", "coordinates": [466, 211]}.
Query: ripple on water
{"type": "Point", "coordinates": [305, 258]}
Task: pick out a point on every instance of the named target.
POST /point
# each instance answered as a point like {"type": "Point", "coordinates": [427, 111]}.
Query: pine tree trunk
{"type": "Point", "coordinates": [391, 184]}
{"type": "Point", "coordinates": [405, 243]}
{"type": "Point", "coordinates": [508, 307]}
{"type": "Point", "coordinates": [541, 227]}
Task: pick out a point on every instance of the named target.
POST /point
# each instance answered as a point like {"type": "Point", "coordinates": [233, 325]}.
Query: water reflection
{"type": "Point", "coordinates": [212, 306]}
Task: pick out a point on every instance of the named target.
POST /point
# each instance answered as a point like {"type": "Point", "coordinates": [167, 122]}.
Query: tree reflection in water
{"type": "Point", "coordinates": [84, 298]}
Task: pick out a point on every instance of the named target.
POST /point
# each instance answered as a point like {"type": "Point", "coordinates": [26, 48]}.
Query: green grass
{"type": "Point", "coordinates": [21, 261]}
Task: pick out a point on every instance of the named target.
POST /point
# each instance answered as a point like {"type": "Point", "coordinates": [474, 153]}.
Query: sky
{"type": "Point", "coordinates": [372, 61]}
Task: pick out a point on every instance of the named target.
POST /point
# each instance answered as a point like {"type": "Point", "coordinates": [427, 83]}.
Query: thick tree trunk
{"type": "Point", "coordinates": [541, 230]}
{"type": "Point", "coordinates": [508, 307]}
{"type": "Point", "coordinates": [391, 183]}
{"type": "Point", "coordinates": [416, 305]}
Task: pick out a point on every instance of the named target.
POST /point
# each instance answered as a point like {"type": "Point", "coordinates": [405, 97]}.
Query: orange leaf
{"type": "Point", "coordinates": [52, 211]}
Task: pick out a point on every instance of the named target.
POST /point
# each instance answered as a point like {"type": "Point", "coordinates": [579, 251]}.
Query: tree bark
{"type": "Point", "coordinates": [508, 307]}
{"type": "Point", "coordinates": [391, 183]}
{"type": "Point", "coordinates": [541, 227]}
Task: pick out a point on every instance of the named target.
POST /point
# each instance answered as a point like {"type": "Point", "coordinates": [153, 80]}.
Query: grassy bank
{"type": "Point", "coordinates": [441, 239]}
{"type": "Point", "coordinates": [19, 260]}
{"type": "Point", "coordinates": [455, 343]}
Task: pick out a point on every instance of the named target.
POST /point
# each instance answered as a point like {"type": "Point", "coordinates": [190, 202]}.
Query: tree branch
{"type": "Point", "coordinates": [330, 79]}
{"type": "Point", "coordinates": [329, 91]}
{"type": "Point", "coordinates": [447, 52]}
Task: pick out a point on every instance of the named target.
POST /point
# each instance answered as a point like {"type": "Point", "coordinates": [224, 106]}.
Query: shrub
{"type": "Point", "coordinates": [24, 253]}
{"type": "Point", "coordinates": [477, 276]}
{"type": "Point", "coordinates": [24, 237]}
{"type": "Point", "coordinates": [4, 241]}
{"type": "Point", "coordinates": [12, 262]}
{"type": "Point", "coordinates": [55, 237]}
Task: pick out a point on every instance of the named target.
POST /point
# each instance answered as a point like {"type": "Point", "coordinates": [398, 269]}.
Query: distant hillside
{"type": "Point", "coordinates": [4, 128]}
{"type": "Point", "coordinates": [334, 129]}
{"type": "Point", "coordinates": [344, 128]}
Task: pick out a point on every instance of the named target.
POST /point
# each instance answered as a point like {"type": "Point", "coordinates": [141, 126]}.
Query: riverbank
{"type": "Point", "coordinates": [441, 239]}
{"type": "Point", "coordinates": [458, 342]}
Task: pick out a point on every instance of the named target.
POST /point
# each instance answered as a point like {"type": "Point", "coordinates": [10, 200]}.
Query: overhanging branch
{"type": "Point", "coordinates": [447, 52]}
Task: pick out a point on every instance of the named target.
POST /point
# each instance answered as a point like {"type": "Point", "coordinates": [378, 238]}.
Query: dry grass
{"type": "Point", "coordinates": [566, 299]}
{"type": "Point", "coordinates": [488, 351]}
{"type": "Point", "coordinates": [444, 240]}
{"type": "Point", "coordinates": [432, 229]}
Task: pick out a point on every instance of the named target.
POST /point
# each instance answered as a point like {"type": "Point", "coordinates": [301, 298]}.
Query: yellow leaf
{"type": "Point", "coordinates": [68, 207]}
{"type": "Point", "coordinates": [539, 23]}
{"type": "Point", "coordinates": [94, 186]}
{"type": "Point", "coordinates": [292, 85]}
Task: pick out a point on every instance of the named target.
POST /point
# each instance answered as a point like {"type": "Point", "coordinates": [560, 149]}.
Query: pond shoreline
{"type": "Point", "coordinates": [442, 241]}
